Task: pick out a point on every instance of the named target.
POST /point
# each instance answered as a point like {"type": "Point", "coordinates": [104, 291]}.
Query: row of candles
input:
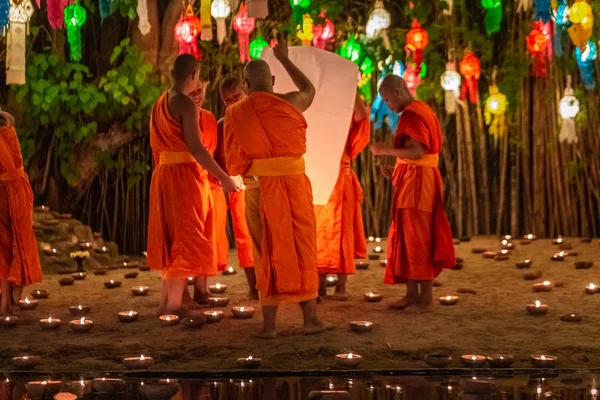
{"type": "Point", "coordinates": [495, 361]}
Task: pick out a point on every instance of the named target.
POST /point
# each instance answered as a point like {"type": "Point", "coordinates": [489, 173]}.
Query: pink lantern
{"type": "Point", "coordinates": [244, 26]}
{"type": "Point", "coordinates": [186, 33]}
{"type": "Point", "coordinates": [412, 79]}
{"type": "Point", "coordinates": [323, 33]}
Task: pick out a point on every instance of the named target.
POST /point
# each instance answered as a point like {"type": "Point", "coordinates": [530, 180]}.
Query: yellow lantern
{"type": "Point", "coordinates": [582, 18]}
{"type": "Point", "coordinates": [495, 110]}
{"type": "Point", "coordinates": [306, 32]}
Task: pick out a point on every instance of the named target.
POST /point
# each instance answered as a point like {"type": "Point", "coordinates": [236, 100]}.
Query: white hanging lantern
{"type": "Point", "coordinates": [448, 11]}
{"type": "Point", "coordinates": [568, 107]}
{"type": "Point", "coordinates": [19, 15]}
{"type": "Point", "coordinates": [379, 20]}
{"type": "Point", "coordinates": [143, 22]}
{"type": "Point", "coordinates": [220, 10]}
{"type": "Point", "coordinates": [450, 82]}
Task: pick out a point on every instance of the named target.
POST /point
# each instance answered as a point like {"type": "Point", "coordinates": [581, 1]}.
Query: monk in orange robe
{"type": "Point", "coordinates": [19, 258]}
{"type": "Point", "coordinates": [420, 239]}
{"type": "Point", "coordinates": [265, 138]}
{"type": "Point", "coordinates": [340, 230]}
{"type": "Point", "coordinates": [180, 225]}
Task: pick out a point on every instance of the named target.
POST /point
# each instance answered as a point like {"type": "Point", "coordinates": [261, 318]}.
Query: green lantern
{"type": "Point", "coordinates": [299, 8]}
{"type": "Point", "coordinates": [75, 17]}
{"type": "Point", "coordinates": [257, 46]}
{"type": "Point", "coordinates": [493, 15]}
{"type": "Point", "coordinates": [367, 66]}
{"type": "Point", "coordinates": [352, 50]}
{"type": "Point", "coordinates": [300, 3]}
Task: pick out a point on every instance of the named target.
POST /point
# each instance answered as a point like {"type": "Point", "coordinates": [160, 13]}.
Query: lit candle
{"type": "Point", "coordinates": [213, 316]}
{"type": "Point", "coordinates": [591, 289]}
{"type": "Point", "coordinates": [111, 284]}
{"type": "Point", "coordinates": [500, 360]}
{"type": "Point", "coordinates": [361, 326]}
{"type": "Point", "coordinates": [26, 362]}
{"type": "Point", "coordinates": [218, 288]}
{"type": "Point", "coordinates": [473, 361]}
{"type": "Point", "coordinates": [249, 362]}
{"type": "Point", "coordinates": [570, 318]}
{"type": "Point", "coordinates": [242, 312]}
{"type": "Point", "coordinates": [40, 294]}
{"type": "Point", "coordinates": [128, 316]}
{"type": "Point", "coordinates": [229, 271]}
{"type": "Point", "coordinates": [81, 325]}
{"type": "Point", "coordinates": [43, 389]}
{"type": "Point", "coordinates": [537, 309]}
{"type": "Point", "coordinates": [378, 249]}
{"type": "Point", "coordinates": [371, 239]}
{"type": "Point", "coordinates": [49, 323]}
{"type": "Point", "coordinates": [193, 322]}
{"type": "Point", "coordinates": [543, 361]}
{"type": "Point", "coordinates": [27, 304]}
{"type": "Point", "coordinates": [190, 280]}
{"type": "Point", "coordinates": [80, 310]}
{"type": "Point", "coordinates": [9, 321]}
{"type": "Point", "coordinates": [372, 297]}
{"type": "Point", "coordinates": [545, 286]}
{"type": "Point", "coordinates": [79, 276]}
{"type": "Point", "coordinates": [108, 385]}
{"type": "Point", "coordinates": [449, 300]}
{"type": "Point", "coordinates": [218, 301]}
{"type": "Point", "coordinates": [169, 320]}
{"type": "Point", "coordinates": [140, 362]}
{"type": "Point", "coordinates": [377, 240]}
{"type": "Point", "coordinates": [349, 360]}
{"type": "Point", "coordinates": [140, 291]}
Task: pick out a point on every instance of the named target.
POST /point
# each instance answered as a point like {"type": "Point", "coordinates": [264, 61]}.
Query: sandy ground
{"type": "Point", "coordinates": [492, 321]}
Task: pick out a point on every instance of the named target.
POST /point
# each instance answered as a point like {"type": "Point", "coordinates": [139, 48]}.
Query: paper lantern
{"type": "Point", "coordinates": [305, 32]}
{"type": "Point", "coordinates": [142, 13]}
{"type": "Point", "coordinates": [364, 87]}
{"type": "Point", "coordinates": [299, 8]}
{"type": "Point", "coordinates": [4, 10]}
{"type": "Point", "coordinates": [411, 77]}
{"type": "Point", "coordinates": [352, 50]}
{"type": "Point", "coordinates": [55, 11]}
{"type": "Point", "coordinates": [206, 32]}
{"type": "Point", "coordinates": [560, 16]}
{"type": "Point", "coordinates": [542, 11]}
{"type": "Point", "coordinates": [367, 66]}
{"type": "Point", "coordinates": [378, 23]}
{"type": "Point", "coordinates": [416, 41]}
{"type": "Point", "coordinates": [186, 33]}
{"type": "Point", "coordinates": [75, 17]}
{"type": "Point", "coordinates": [585, 63]}
{"type": "Point", "coordinates": [16, 41]}
{"type": "Point", "coordinates": [493, 15]}
{"type": "Point", "coordinates": [536, 44]}
{"type": "Point", "coordinates": [220, 10]}
{"type": "Point", "coordinates": [244, 25]}
{"type": "Point", "coordinates": [470, 69]}
{"type": "Point", "coordinates": [582, 18]}
{"type": "Point", "coordinates": [568, 108]}
{"type": "Point", "coordinates": [495, 112]}
{"type": "Point", "coordinates": [323, 33]}
{"type": "Point", "coordinates": [257, 46]}
{"type": "Point", "coordinates": [450, 82]}
{"type": "Point", "coordinates": [398, 69]}
{"type": "Point", "coordinates": [104, 8]}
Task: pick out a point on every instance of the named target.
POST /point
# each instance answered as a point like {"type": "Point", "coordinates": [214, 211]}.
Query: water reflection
{"type": "Point", "coordinates": [518, 387]}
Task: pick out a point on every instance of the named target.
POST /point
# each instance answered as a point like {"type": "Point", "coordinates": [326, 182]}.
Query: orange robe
{"type": "Point", "coordinates": [19, 258]}
{"type": "Point", "coordinates": [180, 224]}
{"type": "Point", "coordinates": [340, 229]}
{"type": "Point", "coordinates": [420, 239]}
{"type": "Point", "coordinates": [265, 137]}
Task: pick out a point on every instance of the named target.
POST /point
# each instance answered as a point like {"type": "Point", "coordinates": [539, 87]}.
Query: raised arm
{"type": "Point", "coordinates": [360, 109]}
{"type": "Point", "coordinates": [305, 95]}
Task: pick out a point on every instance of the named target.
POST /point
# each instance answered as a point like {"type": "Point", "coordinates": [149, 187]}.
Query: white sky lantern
{"type": "Point", "coordinates": [19, 15]}
{"type": "Point", "coordinates": [450, 82]}
{"type": "Point", "coordinates": [220, 10]}
{"type": "Point", "coordinates": [379, 20]}
{"type": "Point", "coordinates": [568, 107]}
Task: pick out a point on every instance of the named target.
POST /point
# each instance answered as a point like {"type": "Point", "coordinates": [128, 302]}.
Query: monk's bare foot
{"type": "Point", "coordinates": [419, 308]}
{"type": "Point", "coordinates": [403, 303]}
{"type": "Point", "coordinates": [264, 334]}
{"type": "Point", "coordinates": [201, 298]}
{"type": "Point", "coordinates": [337, 297]}
{"type": "Point", "coordinates": [184, 312]}
{"type": "Point", "coordinates": [317, 327]}
{"type": "Point", "coordinates": [191, 304]}
{"type": "Point", "coordinates": [253, 294]}
{"type": "Point", "coordinates": [6, 313]}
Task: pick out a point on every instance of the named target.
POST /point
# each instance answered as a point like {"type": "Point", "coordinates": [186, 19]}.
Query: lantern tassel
{"type": "Point", "coordinates": [15, 53]}
{"type": "Point", "coordinates": [450, 102]}
{"type": "Point", "coordinates": [470, 88]}
{"type": "Point", "coordinates": [567, 131]}
{"type": "Point", "coordinates": [221, 30]}
{"type": "Point", "coordinates": [244, 43]}
{"type": "Point", "coordinates": [143, 22]}
{"type": "Point", "coordinates": [557, 41]}
{"type": "Point", "coordinates": [493, 18]}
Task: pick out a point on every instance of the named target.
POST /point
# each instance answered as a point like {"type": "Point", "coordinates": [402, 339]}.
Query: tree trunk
{"type": "Point", "coordinates": [168, 46]}
{"type": "Point", "coordinates": [148, 44]}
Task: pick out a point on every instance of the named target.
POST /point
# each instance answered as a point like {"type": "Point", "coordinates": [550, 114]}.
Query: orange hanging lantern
{"type": "Point", "coordinates": [186, 33]}
{"type": "Point", "coordinates": [470, 68]}
{"type": "Point", "coordinates": [416, 41]}
{"type": "Point", "coordinates": [412, 79]}
{"type": "Point", "coordinates": [537, 42]}
{"type": "Point", "coordinates": [244, 25]}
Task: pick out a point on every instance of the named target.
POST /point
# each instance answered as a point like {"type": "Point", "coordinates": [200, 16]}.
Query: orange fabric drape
{"type": "Point", "coordinates": [420, 239]}
{"type": "Point", "coordinates": [280, 210]}
{"type": "Point", "coordinates": [243, 242]}
{"type": "Point", "coordinates": [340, 229]}
{"type": "Point", "coordinates": [180, 223]}
{"type": "Point", "coordinates": [19, 258]}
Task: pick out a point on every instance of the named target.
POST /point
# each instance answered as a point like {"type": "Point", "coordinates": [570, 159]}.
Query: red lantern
{"type": "Point", "coordinates": [416, 41]}
{"type": "Point", "coordinates": [244, 25]}
{"type": "Point", "coordinates": [470, 68]}
{"type": "Point", "coordinates": [412, 79]}
{"type": "Point", "coordinates": [186, 33]}
{"type": "Point", "coordinates": [536, 44]}
{"type": "Point", "coordinates": [323, 33]}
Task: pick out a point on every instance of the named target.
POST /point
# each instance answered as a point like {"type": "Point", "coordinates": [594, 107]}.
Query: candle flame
{"type": "Point", "coordinates": [371, 294]}
{"type": "Point", "coordinates": [249, 358]}
{"type": "Point", "coordinates": [44, 383]}
{"type": "Point", "coordinates": [527, 261]}
{"type": "Point", "coordinates": [474, 358]}
{"type": "Point", "coordinates": [214, 313]}
{"type": "Point", "coordinates": [502, 358]}
{"type": "Point", "coordinates": [504, 242]}
{"type": "Point", "coordinates": [80, 308]}
{"type": "Point", "coordinates": [82, 321]}
{"type": "Point", "coordinates": [378, 240]}
{"type": "Point", "coordinates": [242, 309]}
{"type": "Point", "coordinates": [141, 289]}
{"type": "Point", "coordinates": [377, 248]}
{"type": "Point", "coordinates": [537, 303]}
{"type": "Point", "coordinates": [111, 281]}
{"type": "Point", "coordinates": [218, 286]}
{"type": "Point", "coordinates": [546, 283]}
{"type": "Point", "coordinates": [142, 358]}
{"type": "Point", "coordinates": [543, 358]}
{"type": "Point", "coordinates": [530, 236]}
{"type": "Point", "coordinates": [25, 358]}
{"type": "Point", "coordinates": [349, 355]}
{"type": "Point", "coordinates": [592, 286]}
{"type": "Point", "coordinates": [594, 392]}
{"type": "Point", "coordinates": [230, 269]}
{"type": "Point", "coordinates": [448, 297]}
{"type": "Point", "coordinates": [368, 324]}
{"type": "Point", "coordinates": [27, 300]}
{"type": "Point", "coordinates": [504, 252]}
{"type": "Point", "coordinates": [168, 318]}
{"type": "Point", "coordinates": [131, 313]}
{"type": "Point", "coordinates": [49, 319]}
{"type": "Point", "coordinates": [371, 239]}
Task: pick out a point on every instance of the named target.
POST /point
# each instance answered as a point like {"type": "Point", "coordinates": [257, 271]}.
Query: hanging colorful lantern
{"type": "Point", "coordinates": [305, 32]}
{"type": "Point", "coordinates": [323, 33]}
{"type": "Point", "coordinates": [367, 66]}
{"type": "Point", "coordinates": [585, 63]}
{"type": "Point", "coordinates": [536, 44]}
{"type": "Point", "coordinates": [257, 46]}
{"type": "Point", "coordinates": [4, 10]}
{"type": "Point", "coordinates": [299, 8]}
{"type": "Point", "coordinates": [258, 8]}
{"type": "Point", "coordinates": [206, 32]}
{"type": "Point", "coordinates": [55, 10]}
{"type": "Point", "coordinates": [142, 13]}
{"type": "Point", "coordinates": [379, 21]}
{"type": "Point", "coordinates": [546, 29]}
{"type": "Point", "coordinates": [244, 25]}
{"type": "Point", "coordinates": [568, 108]}
{"type": "Point", "coordinates": [495, 110]}
{"type": "Point", "coordinates": [416, 41]}
{"type": "Point", "coordinates": [352, 50]}
{"type": "Point", "coordinates": [104, 8]}
{"type": "Point", "coordinates": [16, 41]}
{"type": "Point", "coordinates": [542, 11]}
{"type": "Point", "coordinates": [560, 16]}
{"type": "Point", "coordinates": [470, 69]}
{"type": "Point", "coordinates": [186, 33]}
{"type": "Point", "coordinates": [493, 15]}
{"type": "Point", "coordinates": [220, 10]}
{"type": "Point", "coordinates": [398, 69]}
{"type": "Point", "coordinates": [75, 17]}
{"type": "Point", "coordinates": [450, 82]}
{"type": "Point", "coordinates": [582, 18]}
{"type": "Point", "coordinates": [412, 79]}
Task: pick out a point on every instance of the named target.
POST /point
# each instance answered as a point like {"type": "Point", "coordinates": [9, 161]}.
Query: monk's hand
{"type": "Point", "coordinates": [387, 171]}
{"type": "Point", "coordinates": [281, 51]}
{"type": "Point", "coordinates": [379, 149]}
{"type": "Point", "coordinates": [229, 185]}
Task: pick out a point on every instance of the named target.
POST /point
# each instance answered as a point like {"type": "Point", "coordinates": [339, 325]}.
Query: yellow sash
{"type": "Point", "coordinates": [175, 157]}
{"type": "Point", "coordinates": [12, 174]}
{"type": "Point", "coordinates": [428, 160]}
{"type": "Point", "coordinates": [277, 166]}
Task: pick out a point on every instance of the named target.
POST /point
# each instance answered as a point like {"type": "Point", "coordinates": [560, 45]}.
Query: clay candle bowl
{"type": "Point", "coordinates": [217, 288]}
{"type": "Point", "coordinates": [79, 310]}
{"type": "Point", "coordinates": [348, 360]}
{"type": "Point", "coordinates": [449, 300]}
{"type": "Point", "coordinates": [489, 254]}
{"type": "Point", "coordinates": [500, 360]}
{"type": "Point", "coordinates": [559, 256]}
{"type": "Point", "coordinates": [229, 271]}
{"type": "Point", "coordinates": [131, 275]}
{"type": "Point", "coordinates": [100, 271]}
{"type": "Point", "coordinates": [49, 323]}
{"type": "Point", "coordinates": [242, 312]}
{"type": "Point", "coordinates": [112, 284]}
{"type": "Point", "coordinates": [373, 297]}
{"type": "Point", "coordinates": [140, 290]}
{"type": "Point", "coordinates": [43, 389]}
{"type": "Point", "coordinates": [27, 304]}
{"type": "Point", "coordinates": [40, 294]}
{"type": "Point", "coordinates": [218, 301]}
{"type": "Point", "coordinates": [162, 390]}
{"type": "Point", "coordinates": [383, 263]}
{"type": "Point", "coordinates": [85, 246]}
{"type": "Point", "coordinates": [213, 316]}
{"type": "Point", "coordinates": [331, 280]}
{"type": "Point", "coordinates": [66, 281]}
{"type": "Point", "coordinates": [473, 361]}
{"type": "Point", "coordinates": [545, 286]}
{"type": "Point", "coordinates": [9, 321]}
{"type": "Point", "coordinates": [108, 385]}
{"type": "Point", "coordinates": [592, 289]}
{"type": "Point", "coordinates": [128, 316]}
{"type": "Point", "coordinates": [507, 245]}
{"type": "Point", "coordinates": [79, 276]}
{"type": "Point", "coordinates": [140, 362]}
{"type": "Point", "coordinates": [558, 240]}
{"type": "Point", "coordinates": [193, 322]}
{"type": "Point", "coordinates": [537, 308]}
{"type": "Point", "coordinates": [26, 362]}
{"type": "Point", "coordinates": [362, 265]}
{"type": "Point", "coordinates": [503, 255]}
{"type": "Point", "coordinates": [169, 320]}
{"type": "Point", "coordinates": [438, 360]}
{"type": "Point", "coordinates": [361, 326]}
{"type": "Point", "coordinates": [377, 240]}
{"type": "Point", "coordinates": [524, 264]}
{"type": "Point", "coordinates": [102, 250]}
{"type": "Point", "coordinates": [570, 318]}
{"type": "Point", "coordinates": [583, 264]}
{"type": "Point", "coordinates": [543, 361]}
{"type": "Point", "coordinates": [249, 362]}
{"type": "Point", "coordinates": [81, 325]}
{"type": "Point", "coordinates": [374, 256]}
{"type": "Point", "coordinates": [378, 250]}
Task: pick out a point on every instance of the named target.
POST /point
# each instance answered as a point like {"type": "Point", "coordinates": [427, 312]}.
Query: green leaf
{"type": "Point", "coordinates": [44, 119]}
{"type": "Point", "coordinates": [103, 81]}
{"type": "Point", "coordinates": [123, 81]}
{"type": "Point", "coordinates": [132, 14]}
{"type": "Point", "coordinates": [84, 97]}
{"type": "Point", "coordinates": [125, 100]}
{"type": "Point", "coordinates": [113, 73]}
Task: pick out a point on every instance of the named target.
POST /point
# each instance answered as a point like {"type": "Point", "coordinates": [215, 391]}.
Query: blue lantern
{"type": "Point", "coordinates": [585, 62]}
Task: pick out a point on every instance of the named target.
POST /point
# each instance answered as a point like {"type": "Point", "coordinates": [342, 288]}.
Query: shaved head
{"type": "Point", "coordinates": [395, 93]}
{"type": "Point", "coordinates": [231, 90]}
{"type": "Point", "coordinates": [258, 76]}
{"type": "Point", "coordinates": [185, 66]}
